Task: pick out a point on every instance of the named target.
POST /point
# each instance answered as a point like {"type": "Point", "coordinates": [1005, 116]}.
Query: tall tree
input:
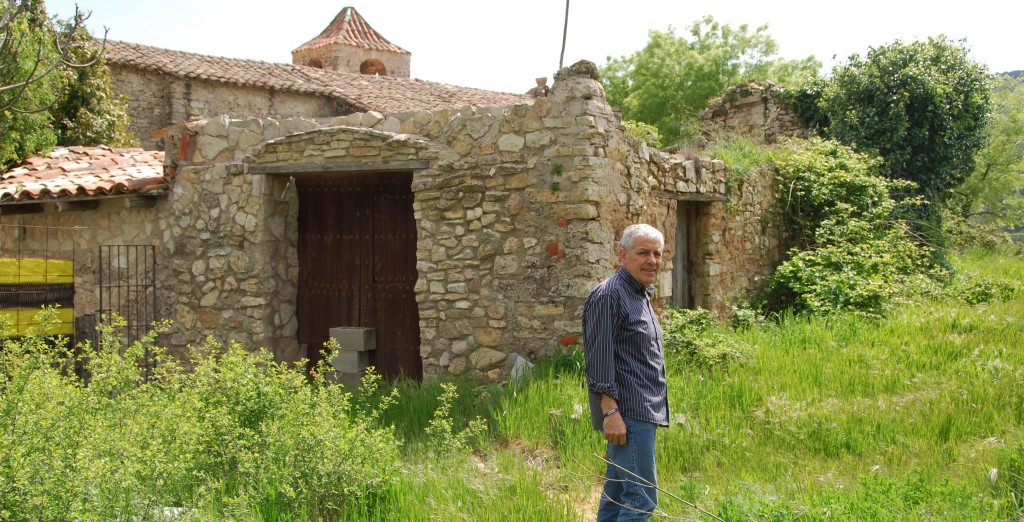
{"type": "Point", "coordinates": [921, 106]}
{"type": "Point", "coordinates": [994, 191]}
{"type": "Point", "coordinates": [88, 112]}
{"type": "Point", "coordinates": [28, 86]}
{"type": "Point", "coordinates": [669, 82]}
{"type": "Point", "coordinates": [54, 87]}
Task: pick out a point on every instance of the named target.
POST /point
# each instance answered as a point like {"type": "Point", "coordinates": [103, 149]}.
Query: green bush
{"type": "Point", "coordinates": [851, 252]}
{"type": "Point", "coordinates": [239, 436]}
{"type": "Point", "coordinates": [974, 289]}
{"type": "Point", "coordinates": [644, 132]}
{"type": "Point", "coordinates": [961, 234]}
{"type": "Point", "coordinates": [691, 340]}
{"type": "Point", "coordinates": [920, 106]}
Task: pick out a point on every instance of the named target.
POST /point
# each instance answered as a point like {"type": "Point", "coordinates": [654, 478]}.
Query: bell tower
{"type": "Point", "coordinates": [349, 44]}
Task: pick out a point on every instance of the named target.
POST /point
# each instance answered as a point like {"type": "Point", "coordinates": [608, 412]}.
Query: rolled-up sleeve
{"type": "Point", "coordinates": [600, 315]}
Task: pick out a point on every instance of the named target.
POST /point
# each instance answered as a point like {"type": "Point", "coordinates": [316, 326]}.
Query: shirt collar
{"type": "Point", "coordinates": [634, 284]}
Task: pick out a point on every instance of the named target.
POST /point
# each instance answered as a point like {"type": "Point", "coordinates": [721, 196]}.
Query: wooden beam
{"type": "Point", "coordinates": [142, 201]}
{"type": "Point", "coordinates": [21, 208]}
{"type": "Point", "coordinates": [77, 206]}
{"type": "Point", "coordinates": [369, 166]}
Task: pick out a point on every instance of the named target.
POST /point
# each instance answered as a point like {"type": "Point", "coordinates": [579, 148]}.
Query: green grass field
{"type": "Point", "coordinates": [918, 416]}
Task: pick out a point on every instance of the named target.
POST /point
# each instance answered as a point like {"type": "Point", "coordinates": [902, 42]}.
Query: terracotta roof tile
{"type": "Point", "coordinates": [349, 27]}
{"type": "Point", "coordinates": [84, 172]}
{"type": "Point", "coordinates": [377, 93]}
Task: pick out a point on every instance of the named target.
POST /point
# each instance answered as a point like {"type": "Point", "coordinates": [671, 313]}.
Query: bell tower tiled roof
{"type": "Point", "coordinates": [350, 28]}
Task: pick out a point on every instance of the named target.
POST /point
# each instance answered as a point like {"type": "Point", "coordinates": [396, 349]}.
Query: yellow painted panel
{"type": "Point", "coordinates": [36, 271]}
{"type": "Point", "coordinates": [24, 318]}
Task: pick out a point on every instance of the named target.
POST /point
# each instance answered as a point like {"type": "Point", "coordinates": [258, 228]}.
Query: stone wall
{"type": "Point", "coordinates": [78, 235]}
{"type": "Point", "coordinates": [742, 239]}
{"type": "Point", "coordinates": [518, 210]}
{"type": "Point", "coordinates": [149, 106]}
{"type": "Point", "coordinates": [344, 58]}
{"type": "Point", "coordinates": [159, 100]}
{"type": "Point", "coordinates": [756, 110]}
{"type": "Point", "coordinates": [740, 244]}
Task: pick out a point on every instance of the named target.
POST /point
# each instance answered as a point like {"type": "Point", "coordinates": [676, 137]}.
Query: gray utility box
{"type": "Point", "coordinates": [354, 345]}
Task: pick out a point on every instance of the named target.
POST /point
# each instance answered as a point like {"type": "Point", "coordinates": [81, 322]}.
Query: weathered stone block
{"type": "Point", "coordinates": [486, 358]}
{"type": "Point", "coordinates": [511, 143]}
{"type": "Point", "coordinates": [346, 361]}
{"type": "Point", "coordinates": [356, 339]}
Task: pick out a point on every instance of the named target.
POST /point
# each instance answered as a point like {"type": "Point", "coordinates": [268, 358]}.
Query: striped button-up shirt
{"type": "Point", "coordinates": [625, 358]}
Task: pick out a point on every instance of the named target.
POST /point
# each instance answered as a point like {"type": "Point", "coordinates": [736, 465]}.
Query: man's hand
{"type": "Point", "coordinates": [615, 429]}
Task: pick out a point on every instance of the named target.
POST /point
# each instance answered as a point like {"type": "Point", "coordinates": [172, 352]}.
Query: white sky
{"type": "Point", "coordinates": [504, 45]}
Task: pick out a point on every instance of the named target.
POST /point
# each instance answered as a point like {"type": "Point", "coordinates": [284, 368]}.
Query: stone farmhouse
{"type": "Point", "coordinates": [461, 228]}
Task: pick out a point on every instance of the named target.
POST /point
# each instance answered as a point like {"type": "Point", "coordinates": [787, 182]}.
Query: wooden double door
{"type": "Point", "coordinates": [357, 264]}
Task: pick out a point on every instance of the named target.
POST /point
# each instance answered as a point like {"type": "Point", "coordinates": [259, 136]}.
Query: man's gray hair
{"type": "Point", "coordinates": [632, 232]}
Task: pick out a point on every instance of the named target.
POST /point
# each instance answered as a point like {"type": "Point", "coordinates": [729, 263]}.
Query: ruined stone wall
{"type": "Point", "coordinates": [740, 244]}
{"type": "Point", "coordinates": [227, 242]}
{"type": "Point", "coordinates": [742, 239]}
{"type": "Point", "coordinates": [755, 110]}
{"type": "Point", "coordinates": [519, 210]}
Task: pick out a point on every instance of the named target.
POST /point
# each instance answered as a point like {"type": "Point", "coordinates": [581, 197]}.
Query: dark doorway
{"type": "Point", "coordinates": [682, 288]}
{"type": "Point", "coordinates": [357, 265]}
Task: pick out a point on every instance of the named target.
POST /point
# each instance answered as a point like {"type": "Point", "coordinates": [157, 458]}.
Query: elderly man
{"type": "Point", "coordinates": [625, 369]}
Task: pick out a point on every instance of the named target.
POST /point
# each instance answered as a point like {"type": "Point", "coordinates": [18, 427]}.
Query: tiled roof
{"type": "Point", "coordinates": [84, 172]}
{"type": "Point", "coordinates": [350, 28]}
{"type": "Point", "coordinates": [377, 93]}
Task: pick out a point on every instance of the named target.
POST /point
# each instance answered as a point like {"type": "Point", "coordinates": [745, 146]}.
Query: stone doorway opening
{"type": "Point", "coordinates": [357, 265]}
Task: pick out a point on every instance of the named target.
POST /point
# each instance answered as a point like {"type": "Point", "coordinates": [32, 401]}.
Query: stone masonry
{"type": "Point", "coordinates": [518, 212]}
{"type": "Point", "coordinates": [755, 110]}
{"type": "Point", "coordinates": [518, 209]}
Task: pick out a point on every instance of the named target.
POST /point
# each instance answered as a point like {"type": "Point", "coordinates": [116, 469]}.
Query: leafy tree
{"type": "Point", "coordinates": [54, 87]}
{"type": "Point", "coordinates": [27, 85]}
{"type": "Point", "coordinates": [994, 192]}
{"type": "Point", "coordinates": [89, 112]}
{"type": "Point", "coordinates": [669, 82]}
{"type": "Point", "coordinates": [921, 107]}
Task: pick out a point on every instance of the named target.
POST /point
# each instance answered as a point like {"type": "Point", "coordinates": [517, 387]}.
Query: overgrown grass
{"type": "Point", "coordinates": [847, 418]}
{"type": "Point", "coordinates": [918, 415]}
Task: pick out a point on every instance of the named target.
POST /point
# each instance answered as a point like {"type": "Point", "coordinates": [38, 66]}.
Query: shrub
{"type": "Point", "coordinates": [644, 132]}
{"type": "Point", "coordinates": [743, 155]}
{"type": "Point", "coordinates": [962, 235]}
{"type": "Point", "coordinates": [974, 289]}
{"type": "Point", "coordinates": [444, 439]}
{"type": "Point", "coordinates": [851, 252]}
{"type": "Point", "coordinates": [920, 106]}
{"type": "Point", "coordinates": [691, 340]}
{"type": "Point", "coordinates": [240, 436]}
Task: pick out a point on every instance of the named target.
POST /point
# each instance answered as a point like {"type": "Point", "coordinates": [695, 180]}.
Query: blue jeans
{"type": "Point", "coordinates": [627, 496]}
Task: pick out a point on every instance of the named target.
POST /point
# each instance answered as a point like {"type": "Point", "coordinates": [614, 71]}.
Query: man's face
{"type": "Point", "coordinates": [643, 260]}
